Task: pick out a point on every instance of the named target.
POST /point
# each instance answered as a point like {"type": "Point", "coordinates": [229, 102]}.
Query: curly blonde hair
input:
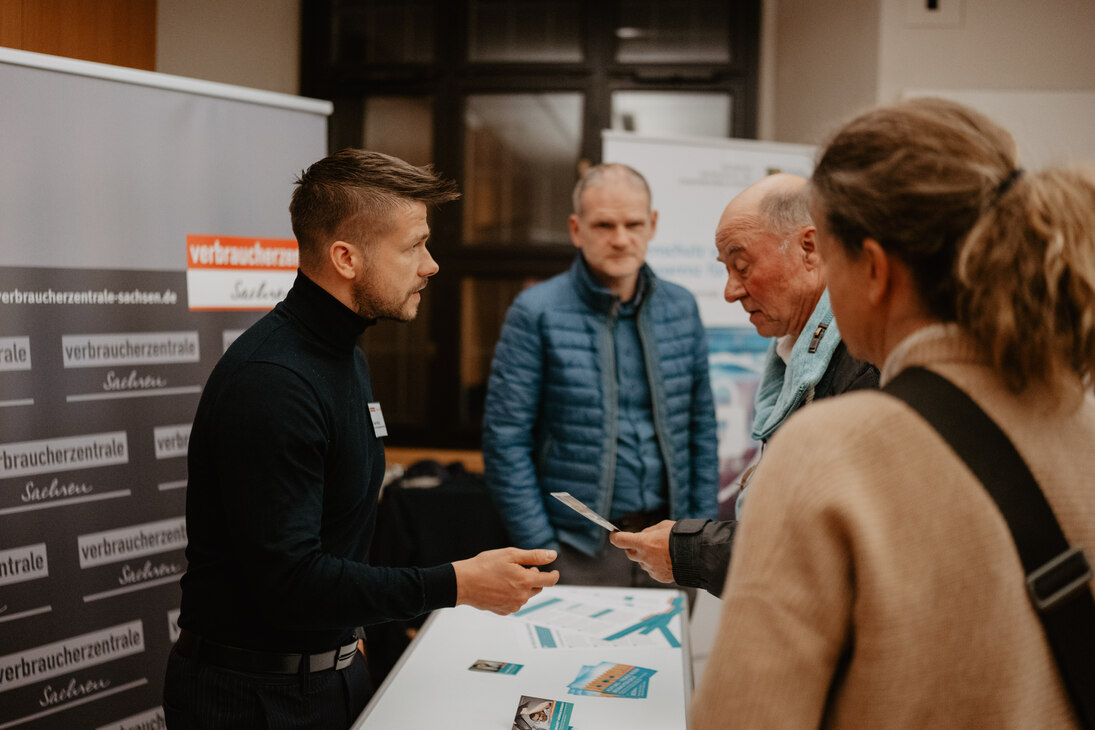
{"type": "Point", "coordinates": [1007, 255]}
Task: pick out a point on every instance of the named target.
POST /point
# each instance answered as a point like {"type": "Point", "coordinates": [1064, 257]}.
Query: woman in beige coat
{"type": "Point", "coordinates": [875, 583]}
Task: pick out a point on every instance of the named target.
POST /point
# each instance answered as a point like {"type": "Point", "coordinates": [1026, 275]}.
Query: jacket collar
{"type": "Point", "coordinates": [331, 321]}
{"type": "Point", "coordinates": [597, 296]}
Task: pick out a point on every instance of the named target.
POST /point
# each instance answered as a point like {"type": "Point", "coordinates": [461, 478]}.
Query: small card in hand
{"type": "Point", "coordinates": [577, 506]}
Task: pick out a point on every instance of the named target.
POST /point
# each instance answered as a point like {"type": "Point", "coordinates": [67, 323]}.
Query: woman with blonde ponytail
{"type": "Point", "coordinates": [875, 582]}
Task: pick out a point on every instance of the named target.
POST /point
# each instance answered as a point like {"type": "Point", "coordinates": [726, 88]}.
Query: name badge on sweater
{"type": "Point", "coordinates": [378, 419]}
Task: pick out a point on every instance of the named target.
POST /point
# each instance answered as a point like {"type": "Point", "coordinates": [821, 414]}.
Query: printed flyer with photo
{"type": "Point", "coordinates": [489, 665]}
{"type": "Point", "coordinates": [537, 713]}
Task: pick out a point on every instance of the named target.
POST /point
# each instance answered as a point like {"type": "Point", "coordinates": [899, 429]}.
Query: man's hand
{"type": "Point", "coordinates": [649, 548]}
{"type": "Point", "coordinates": [499, 581]}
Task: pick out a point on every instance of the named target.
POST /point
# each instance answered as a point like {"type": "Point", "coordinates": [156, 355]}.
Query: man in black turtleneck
{"type": "Point", "coordinates": [285, 466]}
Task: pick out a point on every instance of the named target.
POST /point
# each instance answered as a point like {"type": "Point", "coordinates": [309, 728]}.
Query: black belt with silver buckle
{"type": "Point", "coordinates": [203, 650]}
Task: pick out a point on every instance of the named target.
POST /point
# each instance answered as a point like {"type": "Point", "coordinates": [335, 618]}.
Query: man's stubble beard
{"type": "Point", "coordinates": [370, 305]}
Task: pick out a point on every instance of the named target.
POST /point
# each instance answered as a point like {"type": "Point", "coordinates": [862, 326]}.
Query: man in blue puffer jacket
{"type": "Point", "coordinates": [600, 387]}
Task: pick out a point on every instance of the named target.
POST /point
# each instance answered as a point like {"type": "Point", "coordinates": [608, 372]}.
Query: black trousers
{"type": "Point", "coordinates": [200, 696]}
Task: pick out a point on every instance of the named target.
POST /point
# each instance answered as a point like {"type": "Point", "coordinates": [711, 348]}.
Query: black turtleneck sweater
{"type": "Point", "coordinates": [284, 473]}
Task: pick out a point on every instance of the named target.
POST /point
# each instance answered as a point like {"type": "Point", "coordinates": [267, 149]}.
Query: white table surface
{"type": "Point", "coordinates": [432, 687]}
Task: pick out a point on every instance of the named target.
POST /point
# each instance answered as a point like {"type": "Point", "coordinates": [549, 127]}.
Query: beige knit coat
{"type": "Point", "coordinates": [874, 582]}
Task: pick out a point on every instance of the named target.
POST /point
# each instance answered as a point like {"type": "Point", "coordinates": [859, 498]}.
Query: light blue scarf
{"type": "Point", "coordinates": [784, 388]}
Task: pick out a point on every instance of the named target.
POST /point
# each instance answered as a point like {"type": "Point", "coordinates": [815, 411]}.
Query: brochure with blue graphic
{"type": "Point", "coordinates": [609, 679]}
{"type": "Point", "coordinates": [558, 619]}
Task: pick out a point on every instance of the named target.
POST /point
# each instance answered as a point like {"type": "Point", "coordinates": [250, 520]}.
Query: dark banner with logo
{"type": "Point", "coordinates": [101, 373]}
{"type": "Point", "coordinates": [145, 225]}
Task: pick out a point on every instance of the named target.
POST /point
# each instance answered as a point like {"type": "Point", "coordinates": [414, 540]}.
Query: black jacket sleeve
{"type": "Point", "coordinates": [700, 549]}
{"type": "Point", "coordinates": [700, 553]}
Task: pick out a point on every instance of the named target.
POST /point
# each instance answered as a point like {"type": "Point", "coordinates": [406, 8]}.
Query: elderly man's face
{"type": "Point", "coordinates": [775, 282]}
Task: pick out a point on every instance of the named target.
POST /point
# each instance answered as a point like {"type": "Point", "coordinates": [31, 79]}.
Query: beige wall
{"type": "Point", "coordinates": [825, 56]}
{"type": "Point", "coordinates": [834, 57]}
{"type": "Point", "coordinates": [253, 43]}
{"type": "Point", "coordinates": [1000, 44]}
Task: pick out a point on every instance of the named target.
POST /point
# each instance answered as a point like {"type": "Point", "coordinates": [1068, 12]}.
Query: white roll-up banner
{"type": "Point", "coordinates": [691, 181]}
{"type": "Point", "coordinates": [143, 224]}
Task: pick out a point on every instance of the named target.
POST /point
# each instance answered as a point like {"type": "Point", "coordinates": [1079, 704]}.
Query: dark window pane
{"type": "Point", "coordinates": [526, 31]}
{"type": "Point", "coordinates": [521, 153]}
{"type": "Point", "coordinates": [399, 356]}
{"type": "Point", "coordinates": [682, 31]}
{"type": "Point", "coordinates": [483, 306]}
{"type": "Point", "coordinates": [383, 31]}
{"type": "Point", "coordinates": [675, 113]}
{"type": "Point", "coordinates": [400, 126]}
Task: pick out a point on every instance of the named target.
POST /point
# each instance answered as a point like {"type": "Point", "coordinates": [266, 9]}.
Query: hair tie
{"type": "Point", "coordinates": [1006, 184]}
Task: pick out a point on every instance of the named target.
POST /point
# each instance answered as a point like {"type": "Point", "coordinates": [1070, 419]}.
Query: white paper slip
{"type": "Point", "coordinates": [577, 506]}
{"type": "Point", "coordinates": [377, 417]}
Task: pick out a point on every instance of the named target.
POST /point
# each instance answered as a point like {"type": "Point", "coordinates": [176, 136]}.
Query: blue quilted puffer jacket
{"type": "Point", "coordinates": [551, 409]}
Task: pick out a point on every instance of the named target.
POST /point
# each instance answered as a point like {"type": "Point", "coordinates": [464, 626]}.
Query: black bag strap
{"type": "Point", "coordinates": [1057, 576]}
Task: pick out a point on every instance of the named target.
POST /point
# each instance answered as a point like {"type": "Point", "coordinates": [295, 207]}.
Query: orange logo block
{"type": "Point", "coordinates": [227, 273]}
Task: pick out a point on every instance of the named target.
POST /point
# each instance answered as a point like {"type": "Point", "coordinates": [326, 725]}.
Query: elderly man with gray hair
{"type": "Point", "coordinates": [767, 241]}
